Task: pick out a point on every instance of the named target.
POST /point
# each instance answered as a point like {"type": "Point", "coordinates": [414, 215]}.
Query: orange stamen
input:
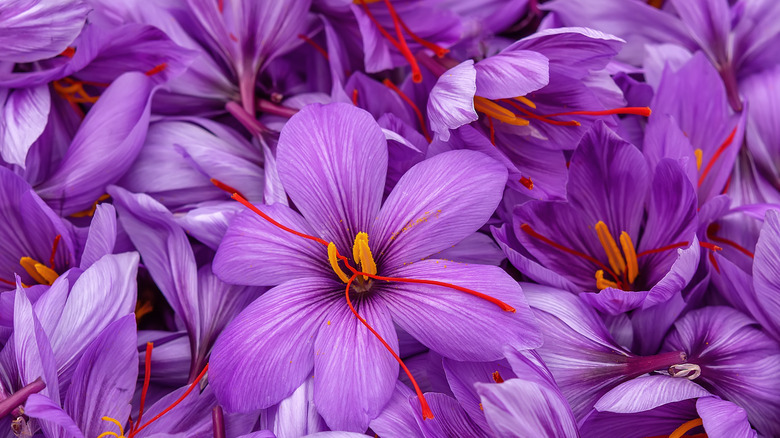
{"type": "Point", "coordinates": [316, 46]}
{"type": "Point", "coordinates": [156, 69]}
{"type": "Point", "coordinates": [527, 183]}
{"type": "Point", "coordinates": [426, 410]}
{"type": "Point", "coordinates": [685, 427]}
{"type": "Point", "coordinates": [147, 379]}
{"type": "Point", "coordinates": [497, 377]}
{"type": "Point", "coordinates": [173, 405]}
{"type": "Point", "coordinates": [68, 52]}
{"type": "Point", "coordinates": [354, 97]}
{"type": "Point", "coordinates": [528, 230]}
{"type": "Point", "coordinates": [389, 84]}
{"type": "Point", "coordinates": [717, 155]}
{"type": "Point", "coordinates": [663, 248]}
{"type": "Point", "coordinates": [399, 44]}
{"type": "Point", "coordinates": [222, 186]}
{"type": "Point", "coordinates": [54, 250]}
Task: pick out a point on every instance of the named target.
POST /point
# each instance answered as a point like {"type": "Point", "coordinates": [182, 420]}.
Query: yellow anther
{"type": "Point", "coordinates": [616, 260]}
{"type": "Point", "coordinates": [361, 254]}
{"type": "Point", "coordinates": [40, 273]}
{"type": "Point", "coordinates": [630, 252]}
{"type": "Point", "coordinates": [602, 283]}
{"type": "Point", "coordinates": [526, 101]}
{"type": "Point", "coordinates": [114, 434]}
{"type": "Point", "coordinates": [699, 154]}
{"type": "Point", "coordinates": [334, 262]}
{"type": "Point", "coordinates": [496, 111]}
{"type": "Point", "coordinates": [91, 211]}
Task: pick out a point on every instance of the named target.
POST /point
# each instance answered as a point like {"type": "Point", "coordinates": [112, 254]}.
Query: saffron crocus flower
{"type": "Point", "coordinates": [736, 37]}
{"type": "Point", "coordinates": [664, 406]}
{"type": "Point", "coordinates": [613, 197]}
{"type": "Point", "coordinates": [332, 162]}
{"type": "Point", "coordinates": [731, 359]}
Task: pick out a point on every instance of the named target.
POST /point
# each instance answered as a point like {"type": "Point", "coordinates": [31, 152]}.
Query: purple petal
{"type": "Point", "coordinates": [346, 399]}
{"type": "Point", "coordinates": [451, 102]}
{"type": "Point", "coordinates": [101, 236]}
{"type": "Point", "coordinates": [661, 421]}
{"type": "Point", "coordinates": [24, 116]}
{"type": "Point", "coordinates": [462, 376]}
{"type": "Point", "coordinates": [54, 421]}
{"type": "Point", "coordinates": [104, 380]}
{"type": "Point", "coordinates": [32, 349]}
{"type": "Point", "coordinates": [112, 132]}
{"type": "Point", "coordinates": [477, 248]}
{"type": "Point", "coordinates": [332, 160]}
{"type": "Point", "coordinates": [267, 351]}
{"type": "Point", "coordinates": [398, 416]}
{"type": "Point", "coordinates": [766, 274]}
{"type": "Point", "coordinates": [297, 415]}
{"type": "Point", "coordinates": [709, 23]}
{"type": "Point", "coordinates": [436, 204]}
{"type": "Point", "coordinates": [209, 222]}
{"type": "Point", "coordinates": [520, 407]}
{"type": "Point", "coordinates": [39, 30]}
{"type": "Point", "coordinates": [648, 392]}
{"type": "Point", "coordinates": [449, 419]}
{"type": "Point", "coordinates": [723, 419]}
{"type": "Point", "coordinates": [257, 253]}
{"type": "Point", "coordinates": [102, 294]}
{"type": "Point", "coordinates": [456, 324]}
{"type": "Point", "coordinates": [511, 73]}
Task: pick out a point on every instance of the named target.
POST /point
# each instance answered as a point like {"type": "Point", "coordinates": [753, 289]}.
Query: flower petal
{"type": "Point", "coordinates": [648, 392]}
{"type": "Point", "coordinates": [436, 204]}
{"type": "Point", "coordinates": [54, 421]}
{"type": "Point", "coordinates": [456, 324]}
{"type": "Point", "coordinates": [354, 373]}
{"type": "Point", "coordinates": [101, 236]}
{"type": "Point", "coordinates": [22, 120]}
{"type": "Point", "coordinates": [32, 349]}
{"type": "Point", "coordinates": [32, 31]}
{"type": "Point", "coordinates": [332, 160]}
{"type": "Point", "coordinates": [257, 253]}
{"type": "Point", "coordinates": [511, 73]}
{"type": "Point", "coordinates": [267, 351]}
{"type": "Point", "coordinates": [723, 419]}
{"type": "Point", "coordinates": [451, 102]}
{"type": "Point", "coordinates": [709, 23]}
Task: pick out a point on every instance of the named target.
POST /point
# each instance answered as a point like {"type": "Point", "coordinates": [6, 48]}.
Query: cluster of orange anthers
{"type": "Point", "coordinates": [426, 411]}
{"type": "Point", "coordinates": [136, 426]}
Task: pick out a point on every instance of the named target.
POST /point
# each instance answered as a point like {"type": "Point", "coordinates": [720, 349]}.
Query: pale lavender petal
{"type": "Point", "coordinates": [511, 73]}
{"type": "Point", "coordinates": [332, 160]}
{"type": "Point", "coordinates": [101, 236]}
{"type": "Point", "coordinates": [54, 421]}
{"type": "Point", "coordinates": [267, 351]}
{"type": "Point", "coordinates": [766, 274]}
{"type": "Point", "coordinates": [35, 30]}
{"type": "Point", "coordinates": [32, 349]}
{"type": "Point", "coordinates": [296, 415]}
{"type": "Point", "coordinates": [723, 419]}
{"type": "Point", "coordinates": [436, 204]}
{"type": "Point", "coordinates": [451, 102]}
{"type": "Point", "coordinates": [449, 419]}
{"type": "Point", "coordinates": [22, 120]}
{"type": "Point", "coordinates": [648, 392]}
{"type": "Point", "coordinates": [346, 398]}
{"type": "Point", "coordinates": [456, 324]}
{"type": "Point", "coordinates": [398, 415]}
{"type": "Point", "coordinates": [209, 221]}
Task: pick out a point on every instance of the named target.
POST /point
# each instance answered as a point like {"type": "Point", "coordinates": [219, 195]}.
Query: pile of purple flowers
{"type": "Point", "coordinates": [392, 218]}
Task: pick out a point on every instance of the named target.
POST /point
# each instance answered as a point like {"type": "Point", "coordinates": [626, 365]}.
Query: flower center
{"type": "Point", "coordinates": [361, 255]}
{"type": "Point", "coordinates": [39, 272]}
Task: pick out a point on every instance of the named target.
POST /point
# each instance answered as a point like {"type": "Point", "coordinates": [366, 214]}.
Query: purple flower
{"type": "Point", "coordinates": [332, 161]}
{"type": "Point", "coordinates": [612, 197]}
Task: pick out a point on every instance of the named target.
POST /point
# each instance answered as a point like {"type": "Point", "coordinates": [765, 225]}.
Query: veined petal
{"type": "Point", "coordinates": [436, 204]}
{"type": "Point", "coordinates": [35, 30]}
{"type": "Point", "coordinates": [267, 351]}
{"type": "Point", "coordinates": [354, 374]}
{"type": "Point", "coordinates": [456, 324]}
{"type": "Point", "coordinates": [709, 23]}
{"type": "Point", "coordinates": [104, 380]}
{"type": "Point", "coordinates": [54, 420]}
{"type": "Point", "coordinates": [511, 73]}
{"type": "Point", "coordinates": [332, 160]}
{"type": "Point", "coordinates": [112, 133]}
{"type": "Point", "coordinates": [723, 419]}
{"type": "Point", "coordinates": [101, 236]}
{"type": "Point", "coordinates": [255, 252]}
{"type": "Point", "coordinates": [22, 120]}
{"type": "Point", "coordinates": [451, 102]}
{"type": "Point", "coordinates": [648, 392]}
{"type": "Point", "coordinates": [766, 275]}
{"type": "Point", "coordinates": [32, 349]}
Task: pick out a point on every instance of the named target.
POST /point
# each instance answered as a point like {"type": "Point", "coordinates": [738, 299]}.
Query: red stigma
{"type": "Point", "coordinates": [717, 155]}
{"type": "Point", "coordinates": [389, 84]}
{"type": "Point", "coordinates": [663, 248]}
{"type": "Point", "coordinates": [354, 97]}
{"type": "Point", "coordinates": [316, 46]}
{"type": "Point", "coordinates": [492, 130]}
{"type": "Point", "coordinates": [527, 183]}
{"type": "Point", "coordinates": [497, 377]}
{"type": "Point", "coordinates": [54, 250]}
{"type": "Point", "coordinates": [400, 43]}
{"type": "Point", "coordinates": [222, 186]}
{"type": "Point", "coordinates": [221, 5]}
{"type": "Point", "coordinates": [68, 52]}
{"type": "Point", "coordinates": [710, 246]}
{"type": "Point", "coordinates": [714, 228]}
{"type": "Point", "coordinates": [156, 69]}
